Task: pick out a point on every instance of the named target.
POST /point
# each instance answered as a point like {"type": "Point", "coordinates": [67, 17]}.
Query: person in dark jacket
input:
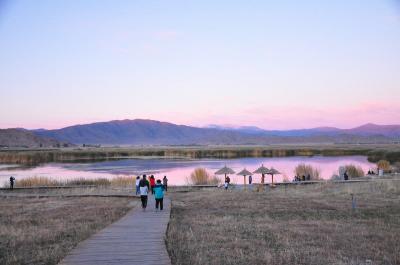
{"type": "Point", "coordinates": [165, 183]}
{"type": "Point", "coordinates": [12, 180]}
{"type": "Point", "coordinates": [250, 179]}
{"type": "Point", "coordinates": [346, 177]}
{"type": "Point", "coordinates": [144, 191]}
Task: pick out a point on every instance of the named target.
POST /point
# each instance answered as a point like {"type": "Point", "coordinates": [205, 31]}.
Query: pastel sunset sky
{"type": "Point", "coordinates": [273, 64]}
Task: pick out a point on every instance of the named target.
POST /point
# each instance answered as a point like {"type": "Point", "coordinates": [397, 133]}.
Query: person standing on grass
{"type": "Point", "coordinates": [152, 183]}
{"type": "Point", "coordinates": [137, 185]}
{"type": "Point", "coordinates": [144, 191]}
{"type": "Point", "coordinates": [12, 180]}
{"type": "Point", "coordinates": [346, 177]}
{"type": "Point", "coordinates": [165, 183]}
{"type": "Point", "coordinates": [159, 195]}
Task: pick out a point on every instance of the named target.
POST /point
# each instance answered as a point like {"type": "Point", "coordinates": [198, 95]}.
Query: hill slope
{"type": "Point", "coordinates": [150, 132]}
{"type": "Point", "coordinates": [24, 138]}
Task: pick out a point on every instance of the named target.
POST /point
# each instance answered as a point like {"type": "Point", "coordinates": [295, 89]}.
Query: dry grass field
{"type": "Point", "coordinates": [42, 231]}
{"type": "Point", "coordinates": [312, 224]}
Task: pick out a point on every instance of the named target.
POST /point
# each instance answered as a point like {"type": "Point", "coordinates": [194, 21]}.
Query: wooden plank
{"type": "Point", "coordinates": [137, 238]}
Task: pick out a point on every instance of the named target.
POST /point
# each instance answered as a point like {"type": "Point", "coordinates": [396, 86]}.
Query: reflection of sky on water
{"type": "Point", "coordinates": [178, 170]}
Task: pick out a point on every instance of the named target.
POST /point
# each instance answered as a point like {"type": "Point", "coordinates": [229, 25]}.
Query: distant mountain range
{"type": "Point", "coordinates": [150, 132]}
{"type": "Point", "coordinates": [368, 129]}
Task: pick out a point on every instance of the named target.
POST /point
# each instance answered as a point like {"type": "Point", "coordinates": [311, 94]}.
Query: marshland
{"type": "Point", "coordinates": [302, 224]}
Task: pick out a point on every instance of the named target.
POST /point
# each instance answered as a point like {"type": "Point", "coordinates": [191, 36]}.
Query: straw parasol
{"type": "Point", "coordinates": [273, 172]}
{"type": "Point", "coordinates": [244, 173]}
{"type": "Point", "coordinates": [225, 171]}
{"type": "Point", "coordinates": [262, 170]}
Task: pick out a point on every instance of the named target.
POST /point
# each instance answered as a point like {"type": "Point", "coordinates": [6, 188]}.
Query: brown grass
{"type": "Point", "coordinates": [354, 171]}
{"type": "Point", "coordinates": [200, 176]}
{"type": "Point", "coordinates": [305, 170]}
{"type": "Point", "coordinates": [43, 231]}
{"type": "Point", "coordinates": [383, 164]}
{"type": "Point", "coordinates": [312, 224]}
{"type": "Point", "coordinates": [37, 181]}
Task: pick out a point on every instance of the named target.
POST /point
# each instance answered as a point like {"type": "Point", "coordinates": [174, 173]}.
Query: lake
{"type": "Point", "coordinates": [178, 170]}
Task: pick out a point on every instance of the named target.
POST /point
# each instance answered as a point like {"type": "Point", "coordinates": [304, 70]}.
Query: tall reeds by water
{"type": "Point", "coordinates": [200, 176]}
{"type": "Point", "coordinates": [39, 181]}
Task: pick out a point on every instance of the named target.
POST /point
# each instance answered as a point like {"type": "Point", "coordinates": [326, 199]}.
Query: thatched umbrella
{"type": "Point", "coordinates": [262, 170]}
{"type": "Point", "coordinates": [244, 173]}
{"type": "Point", "coordinates": [273, 172]}
{"type": "Point", "coordinates": [224, 171]}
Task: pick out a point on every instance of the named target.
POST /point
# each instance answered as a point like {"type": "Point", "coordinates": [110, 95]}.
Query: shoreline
{"type": "Point", "coordinates": [374, 153]}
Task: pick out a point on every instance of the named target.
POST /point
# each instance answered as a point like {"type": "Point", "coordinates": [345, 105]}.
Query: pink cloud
{"type": "Point", "coordinates": [279, 117]}
{"type": "Point", "coordinates": [166, 34]}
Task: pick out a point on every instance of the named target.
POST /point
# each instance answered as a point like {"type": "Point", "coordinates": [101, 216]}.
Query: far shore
{"type": "Point", "coordinates": [34, 156]}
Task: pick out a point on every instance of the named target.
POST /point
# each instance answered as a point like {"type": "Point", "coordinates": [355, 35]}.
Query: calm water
{"type": "Point", "coordinates": [178, 170]}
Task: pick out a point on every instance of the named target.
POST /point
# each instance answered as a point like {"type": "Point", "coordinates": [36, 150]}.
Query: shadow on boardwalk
{"type": "Point", "coordinates": [137, 238]}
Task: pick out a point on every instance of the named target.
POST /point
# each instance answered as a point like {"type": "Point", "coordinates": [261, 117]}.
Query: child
{"type": "Point", "coordinates": [159, 194]}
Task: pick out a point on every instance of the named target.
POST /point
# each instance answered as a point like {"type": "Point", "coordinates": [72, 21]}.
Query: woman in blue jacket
{"type": "Point", "coordinates": [159, 194]}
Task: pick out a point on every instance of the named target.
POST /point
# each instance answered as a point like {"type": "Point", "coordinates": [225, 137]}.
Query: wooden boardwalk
{"type": "Point", "coordinates": [137, 238]}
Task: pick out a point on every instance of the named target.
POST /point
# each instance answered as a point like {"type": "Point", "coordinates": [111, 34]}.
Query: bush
{"type": "Point", "coordinates": [305, 170]}
{"type": "Point", "coordinates": [354, 171]}
{"type": "Point", "coordinates": [383, 164]}
{"type": "Point", "coordinates": [200, 176]}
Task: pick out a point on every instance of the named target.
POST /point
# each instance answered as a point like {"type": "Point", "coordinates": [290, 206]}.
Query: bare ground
{"type": "Point", "coordinates": [43, 231]}
{"type": "Point", "coordinates": [294, 225]}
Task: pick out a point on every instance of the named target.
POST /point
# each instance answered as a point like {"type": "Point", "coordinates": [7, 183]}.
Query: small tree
{"type": "Point", "coordinates": [384, 165]}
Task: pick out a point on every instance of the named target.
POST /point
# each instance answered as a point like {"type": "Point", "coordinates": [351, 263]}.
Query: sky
{"type": "Point", "coordinates": [272, 64]}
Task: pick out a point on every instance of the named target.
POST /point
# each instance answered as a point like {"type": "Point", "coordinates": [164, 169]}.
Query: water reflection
{"type": "Point", "coordinates": [178, 170]}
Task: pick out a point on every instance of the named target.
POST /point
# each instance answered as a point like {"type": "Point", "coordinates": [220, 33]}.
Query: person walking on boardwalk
{"type": "Point", "coordinates": [144, 190]}
{"type": "Point", "coordinates": [152, 183]}
{"type": "Point", "coordinates": [159, 195]}
{"type": "Point", "coordinates": [12, 180]}
{"type": "Point", "coordinates": [137, 185]}
{"type": "Point", "coordinates": [165, 183]}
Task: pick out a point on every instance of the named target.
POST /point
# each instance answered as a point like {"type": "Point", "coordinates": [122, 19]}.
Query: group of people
{"type": "Point", "coordinates": [157, 188]}
{"type": "Point", "coordinates": [302, 178]}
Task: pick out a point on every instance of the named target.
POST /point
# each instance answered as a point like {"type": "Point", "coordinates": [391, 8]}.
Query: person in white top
{"type": "Point", "coordinates": [144, 190]}
{"type": "Point", "coordinates": [137, 185]}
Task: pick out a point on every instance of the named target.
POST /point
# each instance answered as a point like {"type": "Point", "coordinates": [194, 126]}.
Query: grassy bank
{"type": "Point", "coordinates": [120, 181]}
{"type": "Point", "coordinates": [33, 157]}
{"type": "Point", "coordinates": [43, 231]}
{"type": "Point", "coordinates": [293, 225]}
